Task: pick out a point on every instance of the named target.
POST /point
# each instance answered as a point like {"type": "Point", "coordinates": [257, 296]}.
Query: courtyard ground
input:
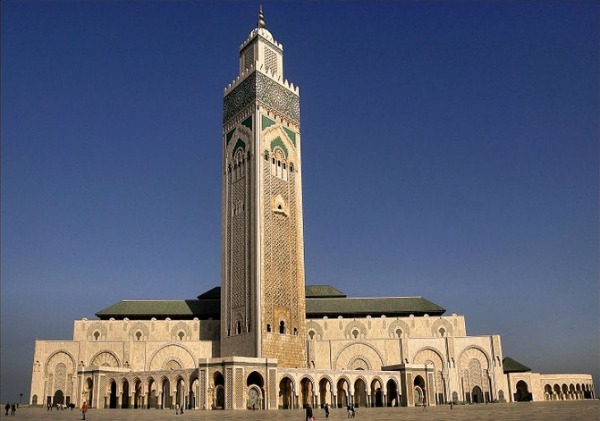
{"type": "Point", "coordinates": [531, 411]}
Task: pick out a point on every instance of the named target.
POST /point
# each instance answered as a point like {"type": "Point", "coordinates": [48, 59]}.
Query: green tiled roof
{"type": "Point", "coordinates": [513, 366]}
{"type": "Point", "coordinates": [393, 306]}
{"type": "Point", "coordinates": [322, 291]}
{"type": "Point", "coordinates": [175, 309]}
{"type": "Point", "coordinates": [321, 301]}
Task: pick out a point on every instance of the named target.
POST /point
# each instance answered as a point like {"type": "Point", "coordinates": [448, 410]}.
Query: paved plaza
{"type": "Point", "coordinates": [530, 411]}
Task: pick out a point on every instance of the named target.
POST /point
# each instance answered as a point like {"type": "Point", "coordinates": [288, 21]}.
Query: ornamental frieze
{"type": "Point", "coordinates": [261, 88]}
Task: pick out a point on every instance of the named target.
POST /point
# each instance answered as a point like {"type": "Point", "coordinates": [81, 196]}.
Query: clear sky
{"type": "Point", "coordinates": [450, 150]}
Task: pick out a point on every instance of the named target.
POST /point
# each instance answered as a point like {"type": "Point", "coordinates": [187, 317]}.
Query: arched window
{"type": "Point", "coordinates": [238, 328]}
{"type": "Point", "coordinates": [311, 334]}
{"type": "Point", "coordinates": [180, 335]}
{"type": "Point", "coordinates": [399, 333]}
{"type": "Point", "coordinates": [268, 327]}
{"type": "Point", "coordinates": [442, 331]}
{"type": "Point", "coordinates": [138, 335]}
{"type": "Point", "coordinates": [279, 166]}
{"type": "Point", "coordinates": [96, 335]}
{"type": "Point", "coordinates": [282, 327]}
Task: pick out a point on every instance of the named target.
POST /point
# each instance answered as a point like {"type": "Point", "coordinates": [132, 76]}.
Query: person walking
{"type": "Point", "coordinates": [13, 409]}
{"type": "Point", "coordinates": [7, 407]}
{"type": "Point", "coordinates": [326, 410]}
{"type": "Point", "coordinates": [309, 413]}
{"type": "Point", "coordinates": [84, 409]}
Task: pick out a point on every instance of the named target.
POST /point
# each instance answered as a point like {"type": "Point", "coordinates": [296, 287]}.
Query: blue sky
{"type": "Point", "coordinates": [450, 150]}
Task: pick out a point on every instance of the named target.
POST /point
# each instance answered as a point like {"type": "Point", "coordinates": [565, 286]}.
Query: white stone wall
{"type": "Point", "coordinates": [550, 387]}
{"type": "Point", "coordinates": [342, 354]}
{"type": "Point", "coordinates": [122, 345]}
{"type": "Point", "coordinates": [464, 365]}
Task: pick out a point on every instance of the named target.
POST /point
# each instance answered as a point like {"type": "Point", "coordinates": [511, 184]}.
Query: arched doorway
{"type": "Point", "coordinates": [286, 389]}
{"type": "Point", "coordinates": [360, 394]}
{"type": "Point", "coordinates": [325, 392]}
{"type": "Point", "coordinates": [307, 392]}
{"type": "Point", "coordinates": [547, 392]}
{"type": "Point", "coordinates": [137, 395]}
{"type": "Point", "coordinates": [152, 394]}
{"type": "Point", "coordinates": [522, 394]}
{"type": "Point", "coordinates": [166, 399]}
{"type": "Point", "coordinates": [477, 394]}
{"type": "Point", "coordinates": [255, 383]}
{"type": "Point", "coordinates": [192, 394]}
{"type": "Point", "coordinates": [125, 394]}
{"type": "Point", "coordinates": [88, 388]}
{"type": "Point", "coordinates": [419, 391]}
{"type": "Point", "coordinates": [218, 397]}
{"type": "Point", "coordinates": [59, 398]}
{"type": "Point", "coordinates": [557, 392]}
{"type": "Point", "coordinates": [343, 388]}
{"type": "Point", "coordinates": [392, 393]}
{"type": "Point", "coordinates": [180, 393]}
{"type": "Point", "coordinates": [376, 394]}
{"type": "Point", "coordinates": [112, 399]}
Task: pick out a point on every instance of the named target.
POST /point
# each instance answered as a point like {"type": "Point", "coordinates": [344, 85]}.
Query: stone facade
{"type": "Point", "coordinates": [266, 350]}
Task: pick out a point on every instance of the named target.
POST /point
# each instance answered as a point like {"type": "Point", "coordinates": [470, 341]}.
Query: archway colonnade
{"type": "Point", "coordinates": [339, 389]}
{"type": "Point", "coordinates": [572, 391]}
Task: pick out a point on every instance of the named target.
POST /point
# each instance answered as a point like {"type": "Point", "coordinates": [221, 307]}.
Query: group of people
{"type": "Point", "coordinates": [310, 416]}
{"type": "Point", "coordinates": [12, 408]}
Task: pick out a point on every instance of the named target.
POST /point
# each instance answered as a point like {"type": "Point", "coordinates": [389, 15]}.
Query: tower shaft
{"type": "Point", "coordinates": [262, 287]}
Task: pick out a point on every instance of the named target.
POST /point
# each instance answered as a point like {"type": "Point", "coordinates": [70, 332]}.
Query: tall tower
{"type": "Point", "coordinates": [262, 280]}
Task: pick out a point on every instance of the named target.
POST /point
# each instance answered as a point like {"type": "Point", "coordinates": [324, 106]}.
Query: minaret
{"type": "Point", "coordinates": [262, 279]}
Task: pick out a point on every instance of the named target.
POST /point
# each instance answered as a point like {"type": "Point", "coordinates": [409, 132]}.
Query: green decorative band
{"type": "Point", "coordinates": [291, 134]}
{"type": "Point", "coordinates": [248, 122]}
{"type": "Point", "coordinates": [266, 122]}
{"type": "Point", "coordinates": [229, 136]}
{"type": "Point", "coordinates": [277, 142]}
{"type": "Point", "coordinates": [239, 144]}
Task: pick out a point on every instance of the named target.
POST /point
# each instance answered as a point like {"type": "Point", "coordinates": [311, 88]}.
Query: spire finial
{"type": "Point", "coordinates": [261, 17]}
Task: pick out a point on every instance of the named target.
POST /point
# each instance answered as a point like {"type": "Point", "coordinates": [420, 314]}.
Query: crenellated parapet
{"type": "Point", "coordinates": [267, 72]}
{"type": "Point", "coordinates": [267, 37]}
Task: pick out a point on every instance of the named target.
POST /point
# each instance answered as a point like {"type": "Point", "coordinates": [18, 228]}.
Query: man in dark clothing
{"type": "Point", "coordinates": [309, 413]}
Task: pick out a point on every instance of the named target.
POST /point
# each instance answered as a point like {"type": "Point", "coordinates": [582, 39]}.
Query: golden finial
{"type": "Point", "coordinates": [261, 17]}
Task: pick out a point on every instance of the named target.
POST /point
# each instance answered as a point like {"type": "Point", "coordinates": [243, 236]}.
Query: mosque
{"type": "Point", "coordinates": [264, 339]}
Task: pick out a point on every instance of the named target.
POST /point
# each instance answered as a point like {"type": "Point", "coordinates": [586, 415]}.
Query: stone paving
{"type": "Point", "coordinates": [532, 411]}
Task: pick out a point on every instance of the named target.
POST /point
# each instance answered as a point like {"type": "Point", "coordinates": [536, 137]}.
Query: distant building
{"type": "Point", "coordinates": [263, 339]}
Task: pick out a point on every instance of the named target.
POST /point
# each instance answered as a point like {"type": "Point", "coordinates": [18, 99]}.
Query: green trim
{"type": "Point", "coordinates": [291, 134]}
{"type": "Point", "coordinates": [248, 122]}
{"type": "Point", "coordinates": [229, 136]}
{"type": "Point", "coordinates": [239, 144]}
{"type": "Point", "coordinates": [278, 142]}
{"type": "Point", "coordinates": [266, 122]}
